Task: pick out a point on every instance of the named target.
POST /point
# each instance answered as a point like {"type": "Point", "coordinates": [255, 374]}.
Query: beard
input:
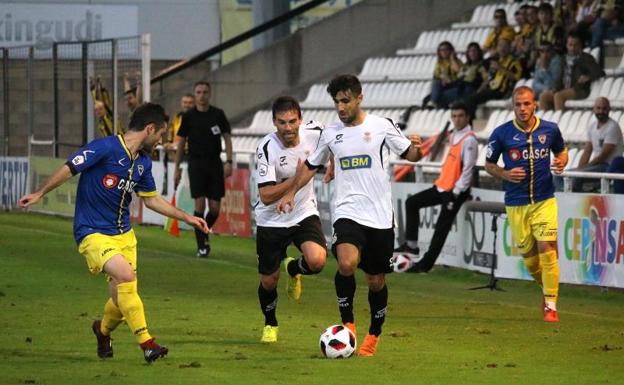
{"type": "Point", "coordinates": [602, 117]}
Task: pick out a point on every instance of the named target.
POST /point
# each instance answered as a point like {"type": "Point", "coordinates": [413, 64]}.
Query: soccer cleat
{"type": "Point", "coordinates": [369, 346]}
{"type": "Point", "coordinates": [404, 248]}
{"type": "Point", "coordinates": [204, 252]}
{"type": "Point", "coordinates": [104, 345]}
{"type": "Point", "coordinates": [350, 326]}
{"type": "Point", "coordinates": [293, 286]}
{"type": "Point", "coordinates": [550, 315]}
{"type": "Point", "coordinates": [269, 334]}
{"type": "Point", "coordinates": [152, 351]}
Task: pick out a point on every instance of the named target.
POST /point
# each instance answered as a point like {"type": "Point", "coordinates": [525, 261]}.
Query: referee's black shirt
{"type": "Point", "coordinates": [203, 131]}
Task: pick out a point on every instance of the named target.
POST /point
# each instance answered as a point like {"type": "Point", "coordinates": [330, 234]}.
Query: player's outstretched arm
{"type": "Point", "coordinates": [59, 177]}
{"type": "Point", "coordinates": [301, 178]}
{"type": "Point", "coordinates": [161, 206]}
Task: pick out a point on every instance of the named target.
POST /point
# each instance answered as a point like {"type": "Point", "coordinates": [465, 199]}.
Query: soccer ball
{"type": "Point", "coordinates": [401, 262]}
{"type": "Point", "coordinates": [337, 341]}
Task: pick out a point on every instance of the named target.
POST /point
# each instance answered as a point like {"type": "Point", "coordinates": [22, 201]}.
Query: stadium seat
{"type": "Point", "coordinates": [618, 70]}
{"type": "Point", "coordinates": [600, 87]}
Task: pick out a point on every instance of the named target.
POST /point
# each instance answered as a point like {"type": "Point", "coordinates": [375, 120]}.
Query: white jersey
{"type": "Point", "coordinates": [362, 190]}
{"type": "Point", "coordinates": [275, 164]}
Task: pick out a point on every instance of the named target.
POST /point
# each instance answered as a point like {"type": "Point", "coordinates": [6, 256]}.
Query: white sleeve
{"type": "Point", "coordinates": [469, 154]}
{"type": "Point", "coordinates": [613, 134]}
{"type": "Point", "coordinates": [265, 168]}
{"type": "Point", "coordinates": [320, 156]}
{"type": "Point", "coordinates": [395, 140]}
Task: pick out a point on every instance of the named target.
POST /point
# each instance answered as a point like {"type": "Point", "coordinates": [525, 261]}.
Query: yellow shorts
{"type": "Point", "coordinates": [533, 222]}
{"type": "Point", "coordinates": [98, 248]}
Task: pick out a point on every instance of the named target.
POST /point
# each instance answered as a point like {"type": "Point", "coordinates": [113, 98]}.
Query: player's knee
{"type": "Point", "coordinates": [126, 276]}
{"type": "Point", "coordinates": [317, 263]}
{"type": "Point", "coordinates": [346, 266]}
{"type": "Point", "coordinates": [269, 282]}
{"type": "Point", "coordinates": [376, 282]}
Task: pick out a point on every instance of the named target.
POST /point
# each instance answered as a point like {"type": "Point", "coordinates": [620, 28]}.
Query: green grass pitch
{"type": "Point", "coordinates": [206, 312]}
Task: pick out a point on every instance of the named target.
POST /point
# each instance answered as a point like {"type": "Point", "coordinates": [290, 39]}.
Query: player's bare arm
{"type": "Point", "coordinates": [302, 177]}
{"type": "Point", "coordinates": [515, 175]}
{"type": "Point", "coordinates": [58, 178]}
{"type": "Point", "coordinates": [161, 206]}
{"type": "Point", "coordinates": [180, 143]}
{"type": "Point", "coordinates": [329, 171]}
{"type": "Point", "coordinates": [559, 162]}
{"type": "Point", "coordinates": [227, 167]}
{"type": "Point", "coordinates": [271, 194]}
{"type": "Point", "coordinates": [414, 154]}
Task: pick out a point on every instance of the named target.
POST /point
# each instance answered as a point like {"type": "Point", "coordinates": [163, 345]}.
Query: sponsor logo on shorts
{"type": "Point", "coordinates": [110, 181]}
{"type": "Point", "coordinates": [106, 251]}
{"type": "Point", "coordinates": [356, 162]}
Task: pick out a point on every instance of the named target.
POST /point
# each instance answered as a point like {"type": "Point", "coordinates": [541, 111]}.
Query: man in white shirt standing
{"type": "Point", "coordinates": [363, 217]}
{"type": "Point", "coordinates": [451, 190]}
{"type": "Point", "coordinates": [604, 143]}
{"type": "Point", "coordinates": [278, 156]}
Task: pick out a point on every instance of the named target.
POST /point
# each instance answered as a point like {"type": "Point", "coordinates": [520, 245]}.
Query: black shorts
{"type": "Point", "coordinates": [206, 178]}
{"type": "Point", "coordinates": [272, 242]}
{"type": "Point", "coordinates": [376, 245]}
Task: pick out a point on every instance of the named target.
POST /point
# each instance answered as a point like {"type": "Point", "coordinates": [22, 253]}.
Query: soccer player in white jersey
{"type": "Point", "coordinates": [279, 154]}
{"type": "Point", "coordinates": [363, 217]}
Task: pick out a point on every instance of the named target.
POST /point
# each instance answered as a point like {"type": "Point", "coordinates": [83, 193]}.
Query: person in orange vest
{"type": "Point", "coordinates": [451, 190]}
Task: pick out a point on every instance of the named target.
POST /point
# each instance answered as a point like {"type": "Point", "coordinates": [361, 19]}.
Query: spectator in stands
{"type": "Point", "coordinates": [520, 17]}
{"type": "Point", "coordinates": [102, 107]}
{"type": "Point", "coordinates": [565, 14]}
{"type": "Point", "coordinates": [132, 94]}
{"type": "Point", "coordinates": [586, 15]}
{"type": "Point", "coordinates": [504, 72]}
{"type": "Point", "coordinates": [444, 77]}
{"type": "Point", "coordinates": [524, 43]}
{"type": "Point", "coordinates": [580, 69]}
{"type": "Point", "coordinates": [547, 70]}
{"type": "Point", "coordinates": [604, 143]}
{"type": "Point", "coordinates": [608, 25]}
{"type": "Point", "coordinates": [473, 73]}
{"type": "Point", "coordinates": [548, 29]}
{"type": "Point", "coordinates": [502, 30]}
{"type": "Point", "coordinates": [617, 166]}
{"type": "Point", "coordinates": [187, 102]}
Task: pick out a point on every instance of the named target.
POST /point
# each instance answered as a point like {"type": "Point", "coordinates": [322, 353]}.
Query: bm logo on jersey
{"type": "Point", "coordinates": [356, 162]}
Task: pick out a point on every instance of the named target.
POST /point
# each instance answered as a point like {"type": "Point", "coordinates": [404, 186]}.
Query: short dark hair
{"type": "Point", "coordinates": [145, 114]}
{"type": "Point", "coordinates": [188, 96]}
{"type": "Point", "coordinates": [285, 103]}
{"type": "Point", "coordinates": [201, 83]}
{"type": "Point", "coordinates": [460, 106]}
{"type": "Point", "coordinates": [576, 35]}
{"type": "Point", "coordinates": [545, 7]}
{"type": "Point", "coordinates": [131, 91]}
{"type": "Point", "coordinates": [344, 83]}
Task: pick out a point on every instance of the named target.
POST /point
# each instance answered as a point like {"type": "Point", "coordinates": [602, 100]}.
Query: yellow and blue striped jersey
{"type": "Point", "coordinates": [109, 175]}
{"type": "Point", "coordinates": [531, 151]}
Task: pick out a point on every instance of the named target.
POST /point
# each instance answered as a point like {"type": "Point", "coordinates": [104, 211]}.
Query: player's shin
{"type": "Point", "coordinates": [345, 291]}
{"type": "Point", "coordinates": [378, 301]}
{"type": "Point", "coordinates": [268, 304]}
{"type": "Point", "coordinates": [131, 307]}
{"type": "Point", "coordinates": [550, 277]}
{"type": "Point", "coordinates": [534, 267]}
{"type": "Point", "coordinates": [112, 317]}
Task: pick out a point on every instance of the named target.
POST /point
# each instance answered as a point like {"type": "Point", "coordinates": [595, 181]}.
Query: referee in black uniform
{"type": "Point", "coordinates": [204, 126]}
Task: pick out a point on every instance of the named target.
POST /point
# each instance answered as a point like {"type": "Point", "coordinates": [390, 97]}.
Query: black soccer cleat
{"type": "Point", "coordinates": [152, 351]}
{"type": "Point", "coordinates": [203, 252]}
{"type": "Point", "coordinates": [104, 345]}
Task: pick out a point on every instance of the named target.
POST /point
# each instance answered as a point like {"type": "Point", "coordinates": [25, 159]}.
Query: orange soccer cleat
{"type": "Point", "coordinates": [369, 346]}
{"type": "Point", "coordinates": [351, 326]}
{"type": "Point", "coordinates": [550, 315]}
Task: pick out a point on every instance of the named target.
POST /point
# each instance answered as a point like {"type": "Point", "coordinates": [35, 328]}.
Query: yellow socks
{"type": "Point", "coordinates": [112, 317]}
{"type": "Point", "coordinates": [535, 269]}
{"type": "Point", "coordinates": [132, 309]}
{"type": "Point", "coordinates": [550, 277]}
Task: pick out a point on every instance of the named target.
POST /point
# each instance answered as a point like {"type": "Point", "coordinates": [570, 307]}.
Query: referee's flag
{"type": "Point", "coordinates": [172, 224]}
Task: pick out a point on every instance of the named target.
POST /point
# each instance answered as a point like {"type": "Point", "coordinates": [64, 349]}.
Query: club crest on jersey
{"type": "Point", "coordinates": [140, 169]}
{"type": "Point", "coordinates": [110, 181]}
{"type": "Point", "coordinates": [355, 162]}
{"type": "Point", "coordinates": [367, 137]}
{"type": "Point", "coordinates": [541, 138]}
{"type": "Point", "coordinates": [515, 154]}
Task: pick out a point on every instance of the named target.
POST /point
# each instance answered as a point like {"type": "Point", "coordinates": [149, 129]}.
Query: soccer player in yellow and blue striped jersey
{"type": "Point", "coordinates": [525, 144]}
{"type": "Point", "coordinates": [111, 169]}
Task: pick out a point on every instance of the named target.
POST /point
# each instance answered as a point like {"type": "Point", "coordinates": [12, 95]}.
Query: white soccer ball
{"type": "Point", "coordinates": [337, 341]}
{"type": "Point", "coordinates": [401, 262]}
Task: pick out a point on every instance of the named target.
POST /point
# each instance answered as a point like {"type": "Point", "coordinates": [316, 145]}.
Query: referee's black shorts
{"type": "Point", "coordinates": [272, 242]}
{"type": "Point", "coordinates": [376, 245]}
{"type": "Point", "coordinates": [206, 178]}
